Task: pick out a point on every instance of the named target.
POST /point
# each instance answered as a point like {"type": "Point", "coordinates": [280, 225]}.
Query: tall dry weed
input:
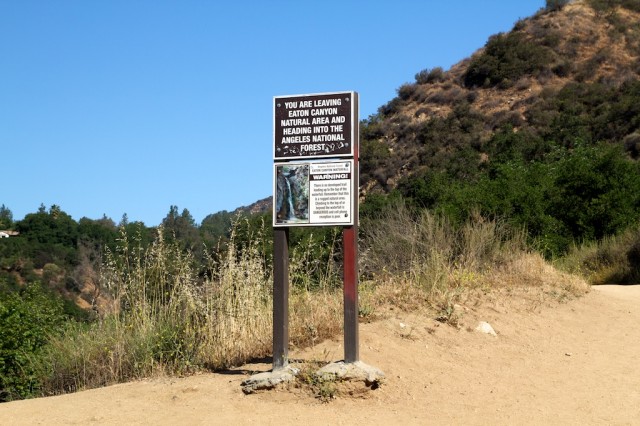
{"type": "Point", "coordinates": [612, 260]}
{"type": "Point", "coordinates": [170, 317]}
{"type": "Point", "coordinates": [238, 305]}
{"type": "Point", "coordinates": [167, 319]}
{"type": "Point", "coordinates": [420, 259]}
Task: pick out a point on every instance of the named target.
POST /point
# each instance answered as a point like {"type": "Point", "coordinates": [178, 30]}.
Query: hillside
{"type": "Point", "coordinates": [517, 80]}
{"type": "Point", "coordinates": [540, 126]}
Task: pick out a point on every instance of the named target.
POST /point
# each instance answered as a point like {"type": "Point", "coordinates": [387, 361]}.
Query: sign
{"type": "Point", "coordinates": [315, 183]}
{"type": "Point", "coordinates": [314, 194]}
{"type": "Point", "coordinates": [318, 125]}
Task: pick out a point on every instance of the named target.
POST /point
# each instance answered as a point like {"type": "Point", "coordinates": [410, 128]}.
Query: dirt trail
{"type": "Point", "coordinates": [576, 363]}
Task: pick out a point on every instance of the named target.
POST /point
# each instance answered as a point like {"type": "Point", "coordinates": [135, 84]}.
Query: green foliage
{"type": "Point", "coordinates": [578, 195]}
{"type": "Point", "coordinates": [216, 226]}
{"type": "Point", "coordinates": [588, 112]}
{"type": "Point", "coordinates": [607, 6]}
{"type": "Point", "coordinates": [13, 254]}
{"type": "Point", "coordinates": [506, 58]}
{"type": "Point", "coordinates": [598, 192]}
{"type": "Point", "coordinates": [6, 218]}
{"type": "Point", "coordinates": [376, 203]}
{"type": "Point", "coordinates": [406, 91]}
{"type": "Point", "coordinates": [553, 5]}
{"type": "Point", "coordinates": [452, 143]}
{"type": "Point", "coordinates": [427, 76]}
{"type": "Point", "coordinates": [182, 228]}
{"type": "Point", "coordinates": [315, 255]}
{"type": "Point", "coordinates": [508, 145]}
{"type": "Point", "coordinates": [52, 237]}
{"type": "Point", "coordinates": [27, 319]}
{"type": "Point", "coordinates": [374, 155]}
{"type": "Point", "coordinates": [101, 232]}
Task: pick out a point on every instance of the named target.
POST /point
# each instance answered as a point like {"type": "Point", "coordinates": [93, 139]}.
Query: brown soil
{"type": "Point", "coordinates": [574, 363]}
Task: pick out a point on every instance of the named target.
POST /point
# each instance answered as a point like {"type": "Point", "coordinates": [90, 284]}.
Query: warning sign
{"type": "Point", "coordinates": [330, 189]}
{"type": "Point", "coordinates": [318, 125]}
{"type": "Point", "coordinates": [314, 194]}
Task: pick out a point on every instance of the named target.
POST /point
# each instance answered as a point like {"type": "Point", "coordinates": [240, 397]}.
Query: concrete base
{"type": "Point", "coordinates": [355, 371]}
{"type": "Point", "coordinates": [269, 379]}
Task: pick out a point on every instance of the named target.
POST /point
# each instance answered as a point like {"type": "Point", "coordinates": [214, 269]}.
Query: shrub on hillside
{"type": "Point", "coordinates": [506, 58]}
{"type": "Point", "coordinates": [590, 112]}
{"type": "Point", "coordinates": [552, 5]}
{"type": "Point", "coordinates": [433, 75]}
{"type": "Point", "coordinates": [406, 91]}
{"type": "Point", "coordinates": [608, 6]}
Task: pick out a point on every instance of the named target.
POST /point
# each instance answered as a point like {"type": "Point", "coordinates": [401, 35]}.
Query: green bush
{"type": "Point", "coordinates": [598, 192]}
{"type": "Point", "coordinates": [604, 6]}
{"type": "Point", "coordinates": [560, 196]}
{"type": "Point", "coordinates": [427, 76]}
{"type": "Point", "coordinates": [505, 59]}
{"type": "Point", "coordinates": [27, 320]}
{"type": "Point", "coordinates": [552, 5]}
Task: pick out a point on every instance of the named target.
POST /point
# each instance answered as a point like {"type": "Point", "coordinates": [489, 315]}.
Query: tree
{"type": "Point", "coordinates": [216, 226]}
{"type": "Point", "coordinates": [6, 218]}
{"type": "Point", "coordinates": [52, 237]}
{"type": "Point", "coordinates": [183, 228]}
{"type": "Point", "coordinates": [598, 192]}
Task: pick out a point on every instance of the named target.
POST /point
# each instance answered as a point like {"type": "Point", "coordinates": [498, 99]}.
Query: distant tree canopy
{"type": "Point", "coordinates": [182, 227]}
{"type": "Point", "coordinates": [6, 218]}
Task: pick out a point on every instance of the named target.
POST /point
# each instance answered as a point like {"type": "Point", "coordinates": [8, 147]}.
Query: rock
{"type": "Point", "coordinates": [485, 327]}
{"type": "Point", "coordinates": [355, 371]}
{"type": "Point", "coordinates": [269, 379]}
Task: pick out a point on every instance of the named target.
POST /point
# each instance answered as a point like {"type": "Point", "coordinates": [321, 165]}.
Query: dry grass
{"type": "Point", "coordinates": [613, 260]}
{"type": "Point", "coordinates": [429, 264]}
{"type": "Point", "coordinates": [168, 320]}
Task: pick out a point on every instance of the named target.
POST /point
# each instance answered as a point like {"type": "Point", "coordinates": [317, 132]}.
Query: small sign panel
{"type": "Point", "coordinates": [314, 194]}
{"type": "Point", "coordinates": [317, 125]}
{"type": "Point", "coordinates": [330, 189]}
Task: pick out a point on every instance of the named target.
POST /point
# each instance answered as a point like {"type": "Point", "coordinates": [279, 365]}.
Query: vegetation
{"type": "Point", "coordinates": [164, 318]}
{"type": "Point", "coordinates": [28, 319]}
{"type": "Point", "coordinates": [506, 58]}
{"type": "Point", "coordinates": [552, 5]}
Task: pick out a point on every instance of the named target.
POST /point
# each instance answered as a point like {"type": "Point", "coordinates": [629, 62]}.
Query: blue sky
{"type": "Point", "coordinates": [113, 107]}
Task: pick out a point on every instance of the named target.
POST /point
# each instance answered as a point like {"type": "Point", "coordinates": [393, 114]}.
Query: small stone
{"type": "Point", "coordinates": [485, 327]}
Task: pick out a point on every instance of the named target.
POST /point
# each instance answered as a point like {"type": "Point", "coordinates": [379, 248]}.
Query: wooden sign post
{"type": "Point", "coordinates": [316, 148]}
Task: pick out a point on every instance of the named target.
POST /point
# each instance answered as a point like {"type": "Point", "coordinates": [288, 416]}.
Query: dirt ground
{"type": "Point", "coordinates": [573, 363]}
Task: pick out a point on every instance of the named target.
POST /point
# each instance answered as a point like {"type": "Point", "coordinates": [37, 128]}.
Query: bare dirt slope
{"type": "Point", "coordinates": [576, 363]}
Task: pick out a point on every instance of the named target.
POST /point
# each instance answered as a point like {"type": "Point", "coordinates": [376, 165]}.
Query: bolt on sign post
{"type": "Point", "coordinates": [315, 183]}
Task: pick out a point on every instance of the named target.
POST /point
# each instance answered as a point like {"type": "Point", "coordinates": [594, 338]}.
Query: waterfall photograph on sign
{"type": "Point", "coordinates": [314, 194]}
{"type": "Point", "coordinates": [292, 193]}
